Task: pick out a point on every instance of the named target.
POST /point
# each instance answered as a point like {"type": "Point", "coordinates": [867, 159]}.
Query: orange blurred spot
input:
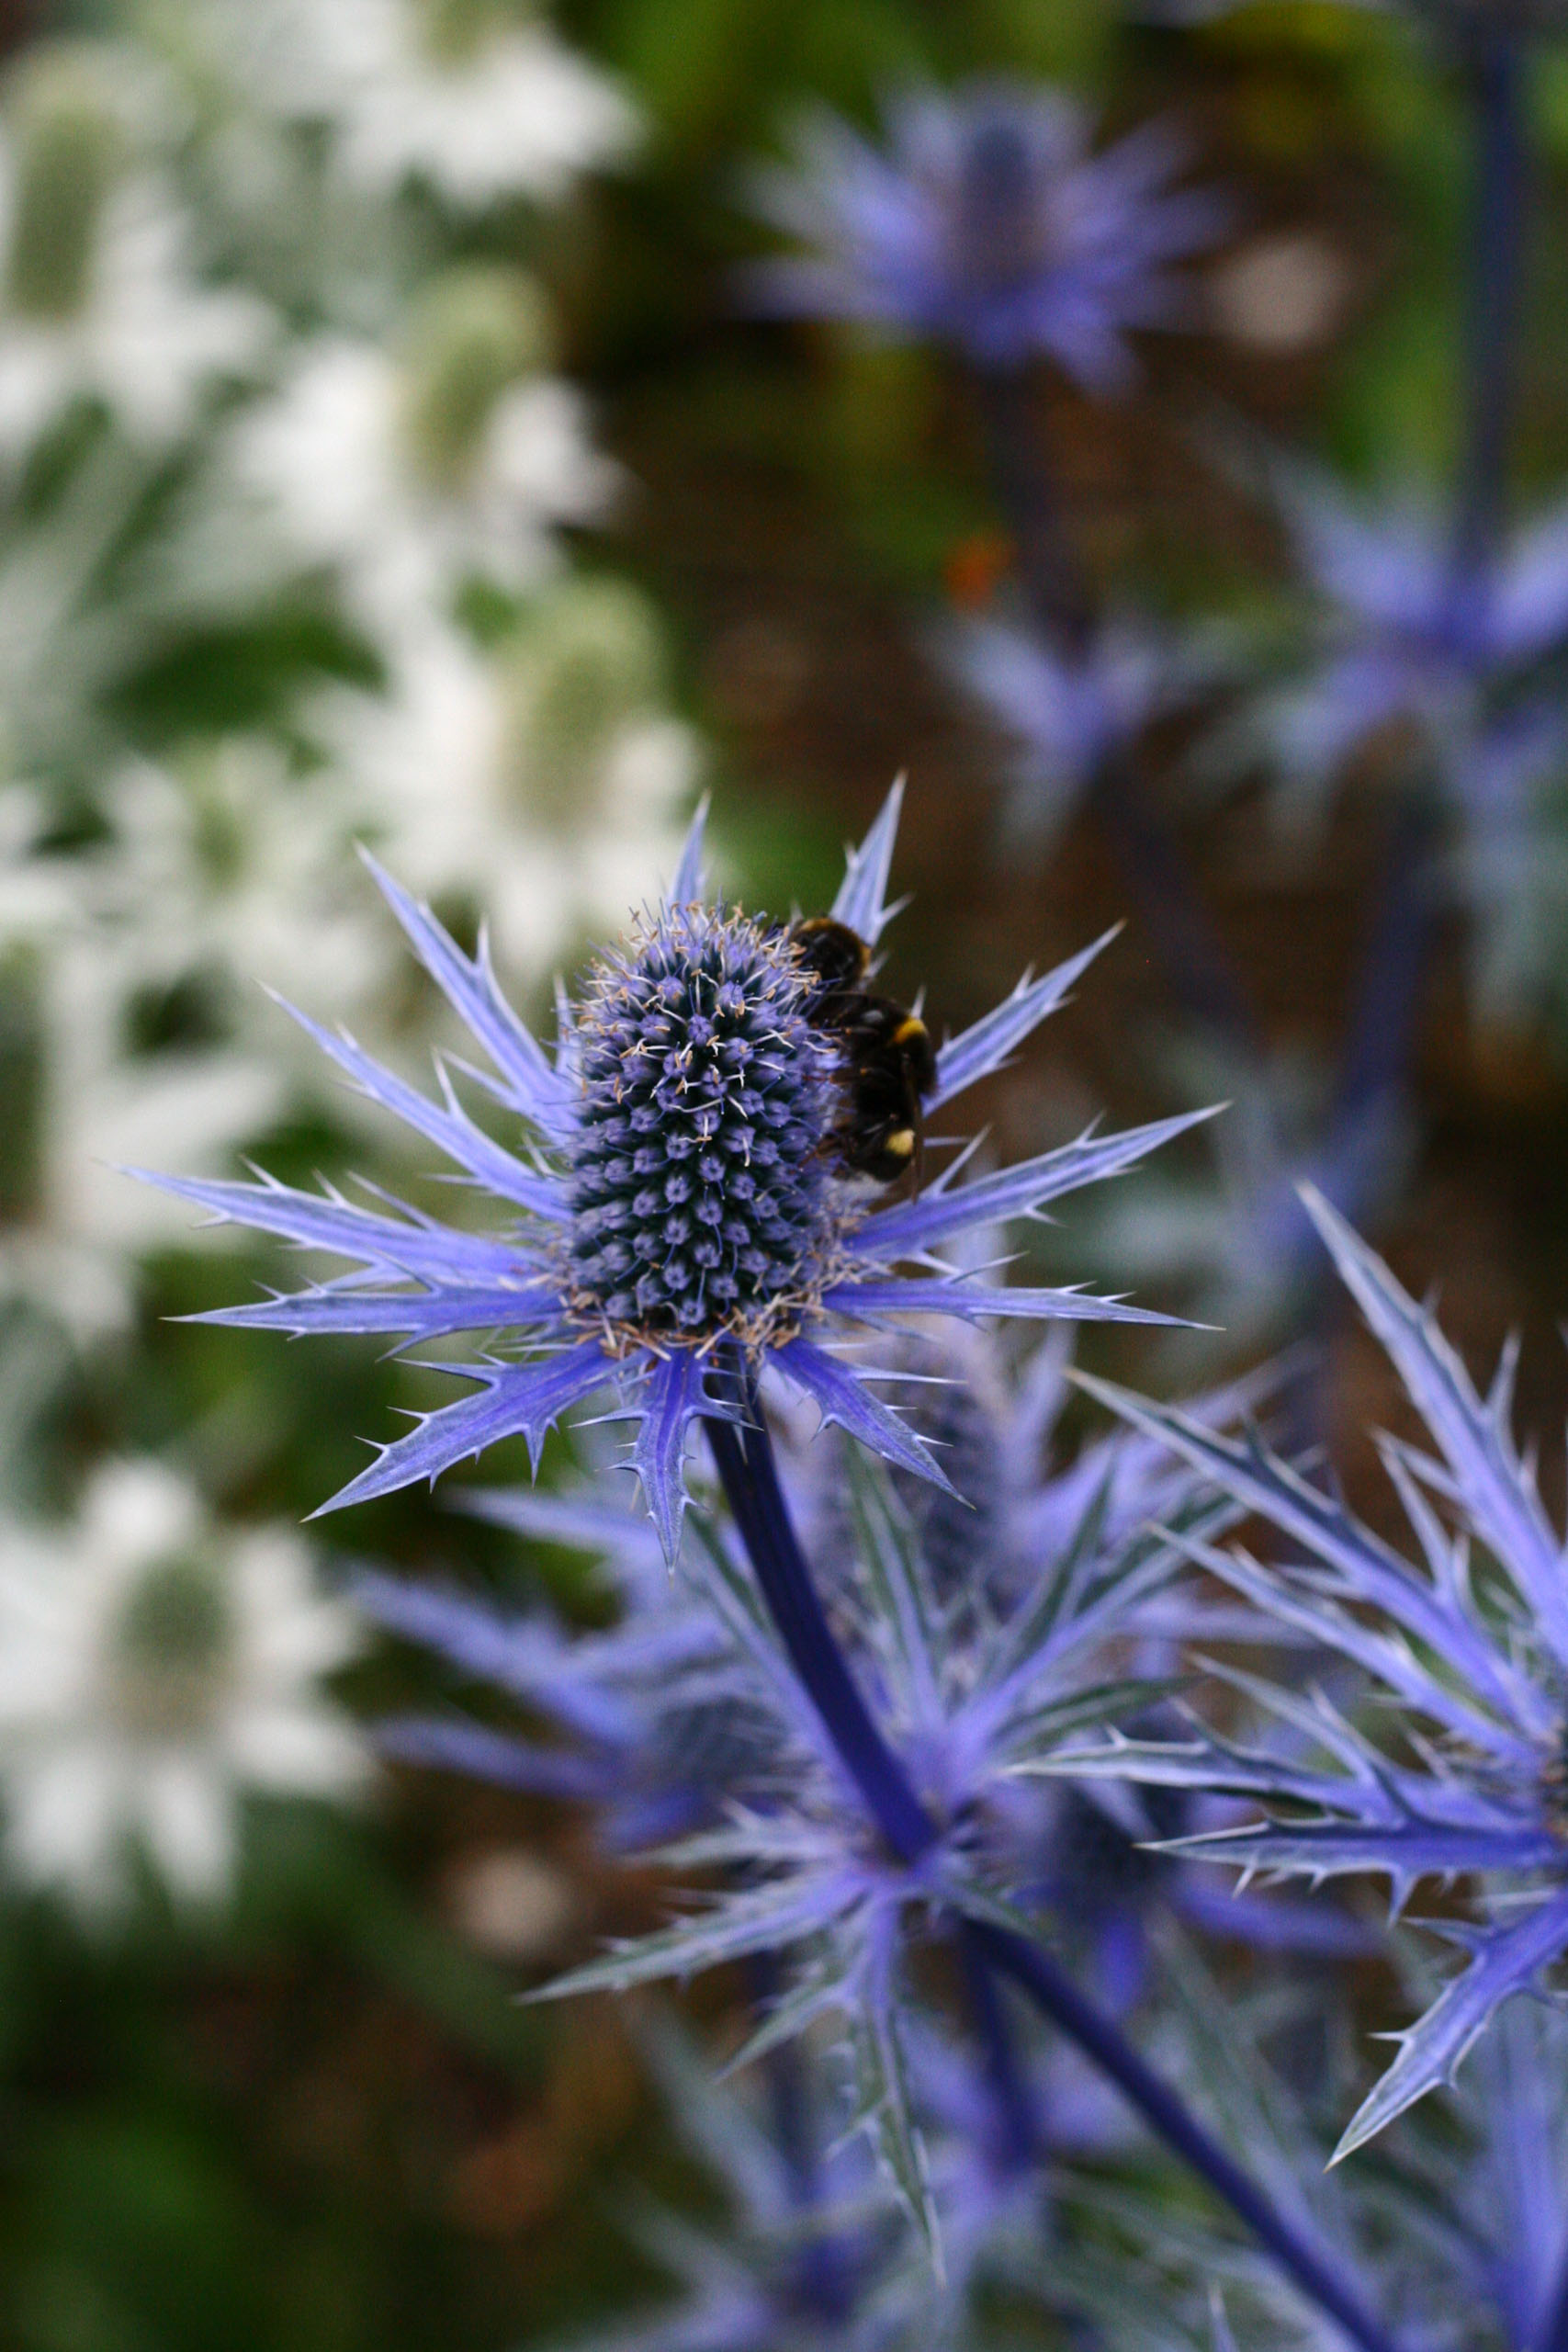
{"type": "Point", "coordinates": [975, 566]}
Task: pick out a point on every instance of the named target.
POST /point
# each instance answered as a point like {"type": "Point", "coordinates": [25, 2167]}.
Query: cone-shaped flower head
{"type": "Point", "coordinates": [988, 225]}
{"type": "Point", "coordinates": [700, 1190]}
{"type": "Point", "coordinates": [686, 1209]}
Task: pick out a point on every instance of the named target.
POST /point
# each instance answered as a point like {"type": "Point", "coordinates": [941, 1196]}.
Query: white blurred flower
{"type": "Point", "coordinates": [238, 867]}
{"type": "Point", "coordinates": [36, 894]}
{"type": "Point", "coordinates": [334, 455]}
{"type": "Point", "coordinates": [479, 107]}
{"type": "Point", "coordinates": [473, 797]}
{"type": "Point", "coordinates": [517, 114]}
{"type": "Point", "coordinates": [144, 338]}
{"type": "Point", "coordinates": [71, 1224]}
{"type": "Point", "coordinates": [154, 1665]}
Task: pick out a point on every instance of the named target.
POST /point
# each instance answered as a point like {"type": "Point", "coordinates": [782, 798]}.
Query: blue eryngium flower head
{"type": "Point", "coordinates": [1465, 1645]}
{"type": "Point", "coordinates": [1415, 634]}
{"type": "Point", "coordinates": [988, 224]}
{"type": "Point", "coordinates": [700, 1187]}
{"type": "Point", "coordinates": [682, 1215]}
{"type": "Point", "coordinates": [1068, 709]}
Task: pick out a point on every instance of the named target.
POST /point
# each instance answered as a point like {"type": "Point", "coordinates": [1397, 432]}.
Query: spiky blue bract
{"type": "Point", "coordinates": [1465, 1644]}
{"type": "Point", "coordinates": [988, 225]}
{"type": "Point", "coordinates": [677, 1195]}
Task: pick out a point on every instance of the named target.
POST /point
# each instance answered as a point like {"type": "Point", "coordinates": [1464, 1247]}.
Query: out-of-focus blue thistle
{"type": "Point", "coordinates": [1466, 1647]}
{"type": "Point", "coordinates": [987, 223]}
{"type": "Point", "coordinates": [1069, 708]}
{"type": "Point", "coordinates": [1508, 869]}
{"type": "Point", "coordinates": [680, 1200]}
{"type": "Point", "coordinates": [806, 2255]}
{"type": "Point", "coordinates": [658, 1724]}
{"type": "Point", "coordinates": [1419, 637]}
{"type": "Point", "coordinates": [1499, 2201]}
{"type": "Point", "coordinates": [1235, 1236]}
{"type": "Point", "coordinates": [1464, 2218]}
{"type": "Point", "coordinates": [685, 1717]}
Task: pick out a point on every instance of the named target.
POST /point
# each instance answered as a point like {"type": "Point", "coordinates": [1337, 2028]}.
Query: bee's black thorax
{"type": "Point", "coordinates": [889, 1063]}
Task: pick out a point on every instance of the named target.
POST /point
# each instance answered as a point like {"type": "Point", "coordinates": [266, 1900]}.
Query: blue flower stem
{"type": "Point", "coordinates": [1495, 65]}
{"type": "Point", "coordinates": [1059, 2000]}
{"type": "Point", "coordinates": [1017, 2141]}
{"type": "Point", "coordinates": [1061, 610]}
{"type": "Point", "coordinates": [743, 1456]}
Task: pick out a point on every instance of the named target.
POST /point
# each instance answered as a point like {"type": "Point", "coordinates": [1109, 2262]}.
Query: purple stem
{"type": "Point", "coordinates": [1062, 609]}
{"type": "Point", "coordinates": [1055, 1995]}
{"type": "Point", "coordinates": [743, 1456]}
{"type": "Point", "coordinates": [1389, 986]}
{"type": "Point", "coordinates": [1495, 72]}
{"type": "Point", "coordinates": [1018, 2144]}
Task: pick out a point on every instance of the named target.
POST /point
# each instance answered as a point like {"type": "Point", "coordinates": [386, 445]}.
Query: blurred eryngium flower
{"type": "Point", "coordinates": [228, 870]}
{"type": "Point", "coordinates": [1468, 1648]}
{"type": "Point", "coordinates": [78, 1104]}
{"type": "Point", "coordinates": [988, 225]}
{"type": "Point", "coordinates": [465, 94]}
{"type": "Point", "coordinates": [1068, 709]}
{"type": "Point", "coordinates": [408, 475]}
{"type": "Point", "coordinates": [681, 1213]}
{"type": "Point", "coordinates": [98, 298]}
{"type": "Point", "coordinates": [1416, 633]}
{"type": "Point", "coordinates": [153, 1667]}
{"type": "Point", "coordinates": [540, 778]}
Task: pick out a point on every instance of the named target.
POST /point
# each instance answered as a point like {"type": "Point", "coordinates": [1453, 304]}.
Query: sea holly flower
{"type": "Point", "coordinates": [100, 300]}
{"type": "Point", "coordinates": [457, 95]}
{"type": "Point", "coordinates": [1466, 1644]}
{"type": "Point", "coordinates": [1415, 634]}
{"type": "Point", "coordinates": [155, 1666]}
{"type": "Point", "coordinates": [658, 1723]}
{"type": "Point", "coordinates": [1509, 868]}
{"type": "Point", "coordinates": [688, 1716]}
{"type": "Point", "coordinates": [409, 474]}
{"type": "Point", "coordinates": [1496, 2205]}
{"type": "Point", "coordinates": [1068, 709]}
{"type": "Point", "coordinates": [987, 223]}
{"type": "Point", "coordinates": [680, 1210]}
{"type": "Point", "coordinates": [804, 2257]}
{"type": "Point", "coordinates": [483, 788]}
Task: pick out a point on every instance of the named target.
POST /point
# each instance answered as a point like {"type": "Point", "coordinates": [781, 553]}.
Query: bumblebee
{"type": "Point", "coordinates": [890, 1060]}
